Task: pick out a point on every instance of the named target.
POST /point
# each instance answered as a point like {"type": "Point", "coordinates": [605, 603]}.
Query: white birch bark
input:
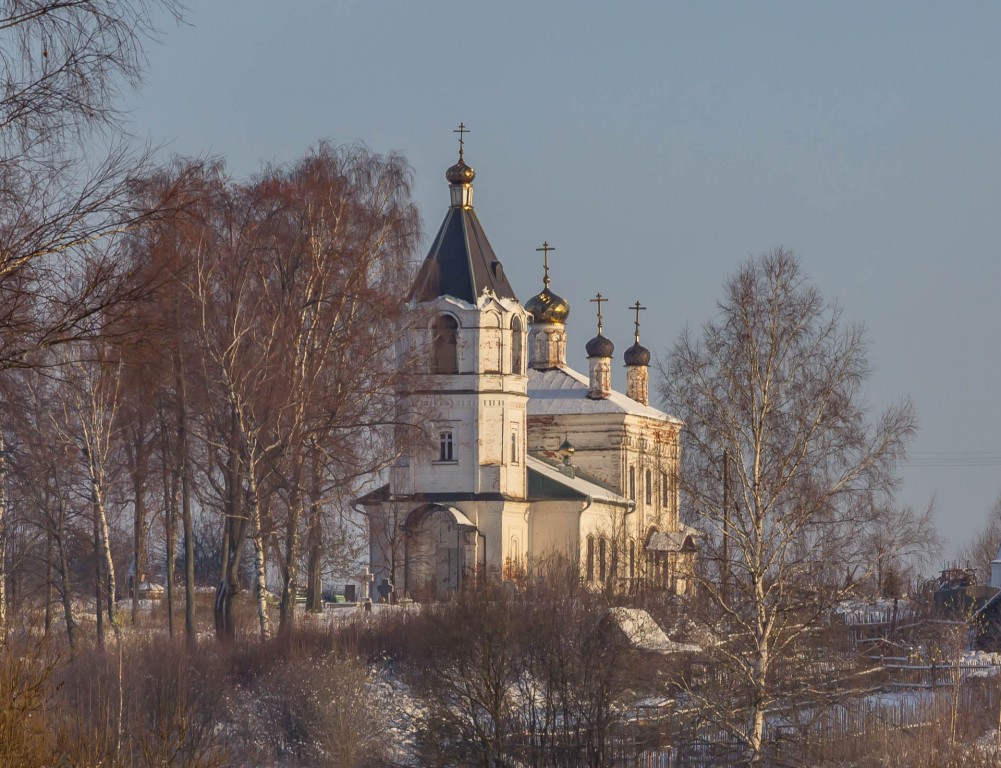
{"type": "Point", "coordinates": [3, 537]}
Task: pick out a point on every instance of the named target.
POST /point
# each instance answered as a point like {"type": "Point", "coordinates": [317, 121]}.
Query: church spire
{"type": "Point", "coordinates": [461, 262]}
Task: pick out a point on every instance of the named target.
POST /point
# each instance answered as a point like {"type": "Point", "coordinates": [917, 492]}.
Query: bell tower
{"type": "Point", "coordinates": [474, 331]}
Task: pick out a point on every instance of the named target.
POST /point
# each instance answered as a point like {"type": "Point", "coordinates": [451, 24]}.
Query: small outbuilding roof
{"type": "Point", "coordinates": [644, 634]}
{"type": "Point", "coordinates": [672, 541]}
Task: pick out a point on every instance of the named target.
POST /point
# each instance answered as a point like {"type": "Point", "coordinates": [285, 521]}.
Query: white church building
{"type": "Point", "coordinates": [528, 458]}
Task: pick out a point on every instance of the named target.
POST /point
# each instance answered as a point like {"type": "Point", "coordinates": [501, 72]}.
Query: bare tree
{"type": "Point", "coordinates": [62, 65]}
{"type": "Point", "coordinates": [44, 475]}
{"type": "Point", "coordinates": [901, 542]}
{"type": "Point", "coordinates": [88, 396]}
{"type": "Point", "coordinates": [295, 277]}
{"type": "Point", "coordinates": [983, 547]}
{"type": "Point", "coordinates": [775, 384]}
{"type": "Point", "coordinates": [61, 69]}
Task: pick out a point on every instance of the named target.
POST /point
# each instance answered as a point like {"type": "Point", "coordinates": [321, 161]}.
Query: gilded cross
{"type": "Point", "coordinates": [546, 248]}
{"type": "Point", "coordinates": [636, 308]}
{"type": "Point", "coordinates": [462, 130]}
{"type": "Point", "coordinates": [597, 300]}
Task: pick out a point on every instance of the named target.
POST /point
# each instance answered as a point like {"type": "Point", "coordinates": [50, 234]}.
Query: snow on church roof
{"type": "Point", "coordinates": [563, 391]}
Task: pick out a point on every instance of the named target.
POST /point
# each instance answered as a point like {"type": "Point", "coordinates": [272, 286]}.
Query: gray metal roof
{"type": "Point", "coordinates": [562, 391]}
{"type": "Point", "coordinates": [461, 262]}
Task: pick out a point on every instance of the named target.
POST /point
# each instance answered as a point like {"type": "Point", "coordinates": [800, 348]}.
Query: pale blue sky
{"type": "Point", "coordinates": [657, 145]}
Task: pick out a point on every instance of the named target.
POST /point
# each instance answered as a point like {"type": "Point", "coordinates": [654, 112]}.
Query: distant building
{"type": "Point", "coordinates": [528, 456]}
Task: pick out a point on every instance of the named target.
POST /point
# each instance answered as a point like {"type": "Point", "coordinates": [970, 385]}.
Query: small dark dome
{"type": "Point", "coordinates": [460, 173]}
{"type": "Point", "coordinates": [547, 307]}
{"type": "Point", "coordinates": [637, 355]}
{"type": "Point", "coordinates": [599, 346]}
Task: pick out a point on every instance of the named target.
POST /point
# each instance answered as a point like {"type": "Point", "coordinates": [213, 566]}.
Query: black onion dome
{"type": "Point", "coordinates": [637, 355]}
{"type": "Point", "coordinates": [547, 307]}
{"type": "Point", "coordinates": [599, 346]}
{"type": "Point", "coordinates": [460, 173]}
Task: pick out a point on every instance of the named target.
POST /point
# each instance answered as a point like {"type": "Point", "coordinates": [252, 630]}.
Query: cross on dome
{"type": "Point", "coordinates": [546, 248]}
{"type": "Point", "coordinates": [598, 299]}
{"type": "Point", "coordinates": [637, 308]}
{"type": "Point", "coordinates": [462, 130]}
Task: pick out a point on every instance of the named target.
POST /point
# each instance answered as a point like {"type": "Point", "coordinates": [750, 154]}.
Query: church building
{"type": "Point", "coordinates": [526, 457]}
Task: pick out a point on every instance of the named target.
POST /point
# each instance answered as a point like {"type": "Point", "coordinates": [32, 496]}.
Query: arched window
{"type": "Point", "coordinates": [632, 483]}
{"type": "Point", "coordinates": [516, 361]}
{"type": "Point", "coordinates": [443, 345]}
{"type": "Point", "coordinates": [590, 558]}
{"type": "Point", "coordinates": [632, 559]}
{"type": "Point", "coordinates": [602, 564]}
{"type": "Point", "coordinates": [649, 487]}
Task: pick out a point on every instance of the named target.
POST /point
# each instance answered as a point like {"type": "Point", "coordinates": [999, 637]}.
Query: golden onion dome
{"type": "Point", "coordinates": [548, 308]}
{"type": "Point", "coordinates": [460, 173]}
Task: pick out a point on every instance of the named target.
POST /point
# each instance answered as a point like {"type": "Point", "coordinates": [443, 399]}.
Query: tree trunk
{"type": "Point", "coordinates": [64, 578]}
{"type": "Point", "coordinates": [48, 579]}
{"type": "Point", "coordinates": [190, 636]}
{"type": "Point", "coordinates": [291, 587]}
{"type": "Point", "coordinates": [260, 556]}
{"type": "Point", "coordinates": [170, 532]}
{"type": "Point", "coordinates": [760, 673]}
{"type": "Point", "coordinates": [3, 536]}
{"type": "Point", "coordinates": [138, 527]}
{"type": "Point", "coordinates": [314, 564]}
{"type": "Point", "coordinates": [109, 564]}
{"type": "Point", "coordinates": [314, 544]}
{"type": "Point", "coordinates": [97, 578]}
{"type": "Point", "coordinates": [235, 534]}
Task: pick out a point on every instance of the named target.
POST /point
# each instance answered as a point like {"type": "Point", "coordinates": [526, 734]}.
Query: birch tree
{"type": "Point", "coordinates": [87, 399]}
{"type": "Point", "coordinates": [775, 383]}
{"type": "Point", "coordinates": [344, 248]}
{"type": "Point", "coordinates": [44, 474]}
{"type": "Point", "coordinates": [66, 169]}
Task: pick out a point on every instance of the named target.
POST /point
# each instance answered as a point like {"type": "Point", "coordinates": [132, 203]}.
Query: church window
{"type": "Point", "coordinates": [444, 357]}
{"type": "Point", "coordinates": [514, 445]}
{"type": "Point", "coordinates": [590, 558]}
{"type": "Point", "coordinates": [516, 361]}
{"type": "Point", "coordinates": [632, 559]}
{"type": "Point", "coordinates": [446, 445]}
{"type": "Point", "coordinates": [632, 483]}
{"type": "Point", "coordinates": [602, 569]}
{"type": "Point", "coordinates": [665, 491]}
{"type": "Point", "coordinates": [649, 487]}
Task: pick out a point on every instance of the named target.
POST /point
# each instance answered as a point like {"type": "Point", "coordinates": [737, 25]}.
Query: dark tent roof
{"type": "Point", "coordinates": [461, 262]}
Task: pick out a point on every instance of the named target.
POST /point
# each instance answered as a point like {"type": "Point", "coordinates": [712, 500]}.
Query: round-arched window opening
{"type": "Point", "coordinates": [444, 345]}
